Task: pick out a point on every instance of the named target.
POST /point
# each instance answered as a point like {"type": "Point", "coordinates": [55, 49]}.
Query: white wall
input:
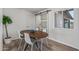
{"type": "Point", "coordinates": [1, 45]}
{"type": "Point", "coordinates": [22, 20]}
{"type": "Point", "coordinates": [69, 37]}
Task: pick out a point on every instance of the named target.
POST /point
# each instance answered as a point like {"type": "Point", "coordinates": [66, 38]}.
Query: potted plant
{"type": "Point", "coordinates": [6, 20]}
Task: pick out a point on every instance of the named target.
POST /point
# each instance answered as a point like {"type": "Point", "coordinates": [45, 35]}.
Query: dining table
{"type": "Point", "coordinates": [35, 34]}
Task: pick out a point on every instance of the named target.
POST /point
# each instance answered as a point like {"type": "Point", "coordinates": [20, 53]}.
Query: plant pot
{"type": "Point", "coordinates": [7, 40]}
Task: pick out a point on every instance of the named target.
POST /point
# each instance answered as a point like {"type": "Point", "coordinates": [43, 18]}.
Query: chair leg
{"type": "Point", "coordinates": [24, 46]}
{"type": "Point", "coordinates": [32, 47]}
{"type": "Point", "coordinates": [19, 45]}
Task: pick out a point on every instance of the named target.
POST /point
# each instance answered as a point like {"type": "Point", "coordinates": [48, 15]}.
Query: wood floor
{"type": "Point", "coordinates": [52, 46]}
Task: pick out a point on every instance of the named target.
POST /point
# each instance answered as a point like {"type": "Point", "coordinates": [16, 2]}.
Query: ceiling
{"type": "Point", "coordinates": [35, 10]}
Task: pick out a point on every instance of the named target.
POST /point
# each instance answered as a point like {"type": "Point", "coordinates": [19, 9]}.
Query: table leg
{"type": "Point", "coordinates": [36, 44]}
{"type": "Point", "coordinates": [46, 41]}
{"type": "Point", "coordinates": [41, 44]}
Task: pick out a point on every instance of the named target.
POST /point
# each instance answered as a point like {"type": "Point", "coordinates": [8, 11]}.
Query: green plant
{"type": "Point", "coordinates": [6, 20]}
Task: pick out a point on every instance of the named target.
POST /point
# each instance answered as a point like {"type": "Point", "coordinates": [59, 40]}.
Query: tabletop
{"type": "Point", "coordinates": [35, 34]}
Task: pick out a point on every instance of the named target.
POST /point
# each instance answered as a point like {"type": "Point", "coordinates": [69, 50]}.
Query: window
{"type": "Point", "coordinates": [64, 19]}
{"type": "Point", "coordinates": [59, 19]}
{"type": "Point", "coordinates": [44, 21]}
{"type": "Point", "coordinates": [68, 16]}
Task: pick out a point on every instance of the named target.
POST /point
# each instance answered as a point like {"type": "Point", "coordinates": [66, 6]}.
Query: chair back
{"type": "Point", "coordinates": [19, 35]}
{"type": "Point", "coordinates": [27, 38]}
{"type": "Point", "coordinates": [18, 32]}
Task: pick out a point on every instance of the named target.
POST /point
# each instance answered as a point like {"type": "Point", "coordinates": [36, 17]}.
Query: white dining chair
{"type": "Point", "coordinates": [28, 41]}
{"type": "Point", "coordinates": [20, 38]}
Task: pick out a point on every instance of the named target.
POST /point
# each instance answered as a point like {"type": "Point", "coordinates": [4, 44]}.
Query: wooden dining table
{"type": "Point", "coordinates": [35, 33]}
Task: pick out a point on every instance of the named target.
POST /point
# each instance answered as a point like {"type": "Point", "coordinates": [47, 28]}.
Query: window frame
{"type": "Point", "coordinates": [63, 21]}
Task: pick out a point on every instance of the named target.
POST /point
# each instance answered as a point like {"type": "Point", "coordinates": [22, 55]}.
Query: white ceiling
{"type": "Point", "coordinates": [35, 10]}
